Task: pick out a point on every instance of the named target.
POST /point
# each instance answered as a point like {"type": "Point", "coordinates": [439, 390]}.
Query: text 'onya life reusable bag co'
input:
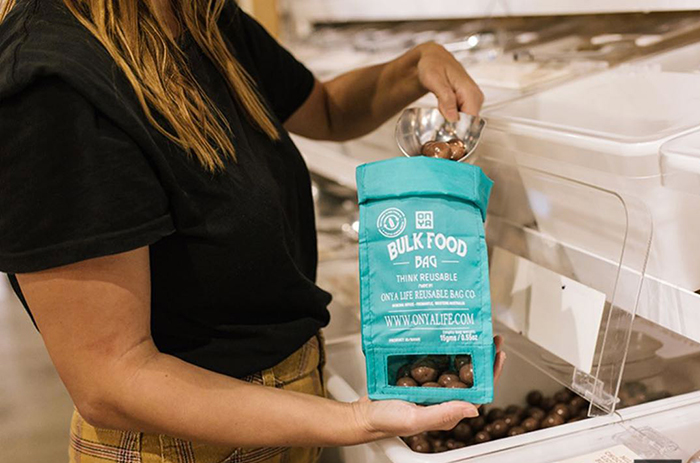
{"type": "Point", "coordinates": [426, 308]}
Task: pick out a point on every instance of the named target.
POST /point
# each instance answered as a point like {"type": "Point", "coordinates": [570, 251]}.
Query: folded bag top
{"type": "Point", "coordinates": [401, 177]}
{"type": "Point", "coordinates": [426, 307]}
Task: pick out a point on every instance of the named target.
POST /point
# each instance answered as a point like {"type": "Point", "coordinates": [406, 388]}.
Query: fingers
{"type": "Point", "coordinates": [498, 366]}
{"type": "Point", "coordinates": [440, 73]}
{"type": "Point", "coordinates": [498, 341]}
{"type": "Point", "coordinates": [447, 100]}
{"type": "Point", "coordinates": [456, 91]}
{"type": "Point", "coordinates": [469, 95]}
{"type": "Point", "coordinates": [500, 359]}
{"type": "Point", "coordinates": [444, 416]}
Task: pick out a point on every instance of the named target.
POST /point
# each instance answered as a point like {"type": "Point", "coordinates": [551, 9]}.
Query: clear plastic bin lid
{"type": "Point", "coordinates": [563, 309]}
{"type": "Point", "coordinates": [680, 163]}
{"type": "Point", "coordinates": [623, 106]}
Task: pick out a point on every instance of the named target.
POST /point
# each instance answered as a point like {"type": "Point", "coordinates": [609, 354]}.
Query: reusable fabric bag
{"type": "Point", "coordinates": [424, 284]}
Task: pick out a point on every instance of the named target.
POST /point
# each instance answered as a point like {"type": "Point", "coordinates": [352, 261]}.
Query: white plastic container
{"type": "Point", "coordinates": [607, 130]}
{"type": "Point", "coordinates": [680, 162]}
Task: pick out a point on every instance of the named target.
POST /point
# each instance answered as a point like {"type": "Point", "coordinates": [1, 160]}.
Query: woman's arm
{"type": "Point", "coordinates": [94, 317]}
{"type": "Point", "coordinates": [359, 101]}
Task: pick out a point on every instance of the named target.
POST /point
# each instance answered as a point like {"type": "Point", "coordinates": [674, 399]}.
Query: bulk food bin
{"type": "Point", "coordinates": [680, 162]}
{"type": "Point", "coordinates": [607, 130]}
{"type": "Point", "coordinates": [563, 329]}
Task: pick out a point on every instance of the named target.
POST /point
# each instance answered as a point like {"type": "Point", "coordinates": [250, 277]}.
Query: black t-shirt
{"type": "Point", "coordinates": [84, 174]}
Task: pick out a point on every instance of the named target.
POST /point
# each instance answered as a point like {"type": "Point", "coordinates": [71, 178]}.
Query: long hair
{"type": "Point", "coordinates": [155, 66]}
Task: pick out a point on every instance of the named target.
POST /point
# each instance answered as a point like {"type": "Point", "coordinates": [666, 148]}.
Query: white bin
{"type": "Point", "coordinates": [607, 130]}
{"type": "Point", "coordinates": [680, 163]}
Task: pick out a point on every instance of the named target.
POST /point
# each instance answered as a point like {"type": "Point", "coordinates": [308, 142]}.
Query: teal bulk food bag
{"type": "Point", "coordinates": [426, 308]}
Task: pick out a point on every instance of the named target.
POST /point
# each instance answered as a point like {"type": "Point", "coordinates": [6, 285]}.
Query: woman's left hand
{"type": "Point", "coordinates": [440, 73]}
{"type": "Point", "coordinates": [386, 418]}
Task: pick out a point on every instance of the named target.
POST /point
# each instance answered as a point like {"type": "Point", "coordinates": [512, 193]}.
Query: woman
{"type": "Point", "coordinates": [156, 221]}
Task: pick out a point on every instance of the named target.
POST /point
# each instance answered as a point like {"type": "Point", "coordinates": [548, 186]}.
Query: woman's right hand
{"type": "Point", "coordinates": [387, 418]}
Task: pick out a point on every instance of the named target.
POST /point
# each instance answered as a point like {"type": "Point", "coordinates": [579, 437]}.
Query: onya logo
{"type": "Point", "coordinates": [391, 222]}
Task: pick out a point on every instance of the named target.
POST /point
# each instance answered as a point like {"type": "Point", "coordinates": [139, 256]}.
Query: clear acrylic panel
{"type": "Point", "coordinates": [566, 308]}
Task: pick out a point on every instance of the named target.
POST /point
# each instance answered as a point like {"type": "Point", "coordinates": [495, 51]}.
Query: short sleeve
{"type": "Point", "coordinates": [73, 186]}
{"type": "Point", "coordinates": [285, 81]}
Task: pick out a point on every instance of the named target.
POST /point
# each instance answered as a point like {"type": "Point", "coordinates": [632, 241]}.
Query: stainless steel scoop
{"type": "Point", "coordinates": [417, 126]}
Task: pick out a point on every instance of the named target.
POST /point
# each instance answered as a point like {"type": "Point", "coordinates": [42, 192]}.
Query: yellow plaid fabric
{"type": "Point", "coordinates": [300, 372]}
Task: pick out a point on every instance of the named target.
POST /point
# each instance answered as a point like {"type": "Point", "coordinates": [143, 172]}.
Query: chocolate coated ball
{"type": "Point", "coordinates": [457, 149]}
{"type": "Point", "coordinates": [512, 420]}
{"type": "Point", "coordinates": [577, 403]}
{"type": "Point", "coordinates": [462, 431]}
{"type": "Point", "coordinates": [530, 424]}
{"type": "Point", "coordinates": [439, 445]}
{"type": "Point", "coordinates": [456, 385]}
{"type": "Point", "coordinates": [481, 437]}
{"type": "Point", "coordinates": [575, 419]}
{"type": "Point", "coordinates": [424, 373]}
{"type": "Point", "coordinates": [563, 396]}
{"type": "Point", "coordinates": [466, 375]}
{"type": "Point", "coordinates": [547, 403]}
{"type": "Point", "coordinates": [534, 398]}
{"type": "Point", "coordinates": [448, 377]}
{"type": "Point", "coordinates": [552, 420]}
{"type": "Point", "coordinates": [495, 414]}
{"type": "Point", "coordinates": [635, 387]}
{"type": "Point", "coordinates": [536, 412]}
{"type": "Point", "coordinates": [425, 150]}
{"type": "Point", "coordinates": [454, 444]}
{"type": "Point", "coordinates": [499, 429]}
{"type": "Point", "coordinates": [488, 428]}
{"type": "Point", "coordinates": [404, 371]}
{"type": "Point", "coordinates": [516, 431]}
{"type": "Point", "coordinates": [421, 445]}
{"type": "Point", "coordinates": [461, 360]}
{"type": "Point", "coordinates": [441, 362]}
{"type": "Point", "coordinates": [437, 149]}
{"type": "Point", "coordinates": [407, 382]}
{"type": "Point", "coordinates": [431, 384]}
{"type": "Point", "coordinates": [477, 423]}
{"type": "Point", "coordinates": [410, 439]}
{"type": "Point", "coordinates": [561, 410]}
{"type": "Point", "coordinates": [515, 410]}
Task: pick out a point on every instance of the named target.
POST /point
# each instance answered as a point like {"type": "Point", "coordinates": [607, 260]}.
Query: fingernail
{"type": "Point", "coordinates": [471, 413]}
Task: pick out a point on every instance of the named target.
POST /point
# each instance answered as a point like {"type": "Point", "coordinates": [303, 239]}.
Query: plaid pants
{"type": "Point", "coordinates": [300, 372]}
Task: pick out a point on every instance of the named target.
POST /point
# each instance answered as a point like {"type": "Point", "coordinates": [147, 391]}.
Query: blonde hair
{"type": "Point", "coordinates": [5, 7]}
{"type": "Point", "coordinates": [155, 66]}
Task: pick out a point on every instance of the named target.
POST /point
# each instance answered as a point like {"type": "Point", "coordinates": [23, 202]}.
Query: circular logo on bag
{"type": "Point", "coordinates": [391, 222]}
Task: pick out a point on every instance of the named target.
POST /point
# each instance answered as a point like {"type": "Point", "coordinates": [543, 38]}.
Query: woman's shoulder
{"type": "Point", "coordinates": [41, 38]}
